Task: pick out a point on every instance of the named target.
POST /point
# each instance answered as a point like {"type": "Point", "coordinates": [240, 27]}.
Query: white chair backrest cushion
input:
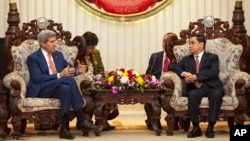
{"type": "Point", "coordinates": [27, 47]}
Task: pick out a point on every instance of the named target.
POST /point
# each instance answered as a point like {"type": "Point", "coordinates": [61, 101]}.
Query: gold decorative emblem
{"type": "Point", "coordinates": [124, 10]}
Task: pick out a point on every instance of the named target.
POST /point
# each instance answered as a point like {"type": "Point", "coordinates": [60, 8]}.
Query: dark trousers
{"type": "Point", "coordinates": [66, 90]}
{"type": "Point", "coordinates": [194, 100]}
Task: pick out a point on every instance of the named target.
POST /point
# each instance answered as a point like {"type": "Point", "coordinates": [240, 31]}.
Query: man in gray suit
{"type": "Point", "coordinates": [201, 73]}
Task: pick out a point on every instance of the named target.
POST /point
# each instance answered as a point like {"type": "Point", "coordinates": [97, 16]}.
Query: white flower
{"type": "Point", "coordinates": [154, 78]}
{"type": "Point", "coordinates": [124, 80]}
{"type": "Point", "coordinates": [119, 73]}
{"type": "Point", "coordinates": [98, 77]}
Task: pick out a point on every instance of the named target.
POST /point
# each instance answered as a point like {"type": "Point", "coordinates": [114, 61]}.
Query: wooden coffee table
{"type": "Point", "coordinates": [102, 97]}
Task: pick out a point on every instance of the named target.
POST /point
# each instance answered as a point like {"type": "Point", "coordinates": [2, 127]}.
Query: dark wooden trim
{"type": "Point", "coordinates": [3, 63]}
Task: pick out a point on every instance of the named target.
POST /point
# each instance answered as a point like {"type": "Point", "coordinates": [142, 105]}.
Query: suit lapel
{"type": "Point", "coordinates": [43, 61]}
{"type": "Point", "coordinates": [192, 63]}
{"type": "Point", "coordinates": [160, 58]}
{"type": "Point", "coordinates": [203, 60]}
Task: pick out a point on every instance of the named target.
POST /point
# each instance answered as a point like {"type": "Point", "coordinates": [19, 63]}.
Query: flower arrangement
{"type": "Point", "coordinates": [125, 79]}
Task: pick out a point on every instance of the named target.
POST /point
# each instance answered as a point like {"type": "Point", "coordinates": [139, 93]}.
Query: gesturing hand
{"type": "Point", "coordinates": [68, 71]}
{"type": "Point", "coordinates": [81, 68]}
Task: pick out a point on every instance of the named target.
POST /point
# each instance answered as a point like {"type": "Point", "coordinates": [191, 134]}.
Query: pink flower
{"type": "Point", "coordinates": [125, 79]}
{"type": "Point", "coordinates": [114, 89]}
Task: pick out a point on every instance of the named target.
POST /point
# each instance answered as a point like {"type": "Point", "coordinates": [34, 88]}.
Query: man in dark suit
{"type": "Point", "coordinates": [156, 68]}
{"type": "Point", "coordinates": [201, 73]}
{"type": "Point", "coordinates": [52, 77]}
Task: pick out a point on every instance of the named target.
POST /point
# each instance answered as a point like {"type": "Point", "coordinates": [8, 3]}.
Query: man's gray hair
{"type": "Point", "coordinates": [44, 36]}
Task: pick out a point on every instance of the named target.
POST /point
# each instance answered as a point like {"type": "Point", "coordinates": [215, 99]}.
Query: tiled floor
{"type": "Point", "coordinates": [130, 126]}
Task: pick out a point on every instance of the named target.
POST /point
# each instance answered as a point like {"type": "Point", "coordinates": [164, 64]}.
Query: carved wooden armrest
{"type": "Point", "coordinates": [173, 84]}
{"type": "Point", "coordinates": [17, 87]}
{"type": "Point", "coordinates": [239, 81]}
{"type": "Point", "coordinates": [16, 84]}
{"type": "Point", "coordinates": [84, 81]}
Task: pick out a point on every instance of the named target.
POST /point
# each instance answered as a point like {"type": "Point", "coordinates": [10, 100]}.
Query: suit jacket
{"type": "Point", "coordinates": [155, 64]}
{"type": "Point", "coordinates": [208, 73]}
{"type": "Point", "coordinates": [39, 70]}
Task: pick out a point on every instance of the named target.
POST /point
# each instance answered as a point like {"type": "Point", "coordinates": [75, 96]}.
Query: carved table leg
{"type": "Point", "coordinates": [149, 112]}
{"type": "Point", "coordinates": [100, 119]}
{"type": "Point", "coordinates": [87, 111]}
{"type": "Point", "coordinates": [156, 117]}
{"type": "Point", "coordinates": [185, 123]}
{"type": "Point", "coordinates": [170, 123]}
{"type": "Point", "coordinates": [170, 114]}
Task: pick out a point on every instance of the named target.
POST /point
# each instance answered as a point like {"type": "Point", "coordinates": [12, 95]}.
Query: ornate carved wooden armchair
{"type": "Point", "coordinates": [228, 45]}
{"type": "Point", "coordinates": [42, 111]}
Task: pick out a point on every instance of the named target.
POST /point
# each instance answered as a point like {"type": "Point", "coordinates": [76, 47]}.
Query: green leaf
{"type": "Point", "coordinates": [142, 89]}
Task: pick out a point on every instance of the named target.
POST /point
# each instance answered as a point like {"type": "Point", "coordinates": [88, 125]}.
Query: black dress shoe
{"type": "Point", "coordinates": [86, 125]}
{"type": "Point", "coordinates": [108, 128]}
{"type": "Point", "coordinates": [64, 133]}
{"type": "Point", "coordinates": [209, 132]}
{"type": "Point", "coordinates": [196, 132]}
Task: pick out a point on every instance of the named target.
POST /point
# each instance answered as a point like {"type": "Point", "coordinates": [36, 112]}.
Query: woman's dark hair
{"type": "Point", "coordinates": [91, 38]}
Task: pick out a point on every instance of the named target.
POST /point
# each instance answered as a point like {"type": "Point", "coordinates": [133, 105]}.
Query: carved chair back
{"type": "Point", "coordinates": [30, 30]}
{"type": "Point", "coordinates": [229, 57]}
{"type": "Point", "coordinates": [220, 29]}
{"type": "Point", "coordinates": [27, 47]}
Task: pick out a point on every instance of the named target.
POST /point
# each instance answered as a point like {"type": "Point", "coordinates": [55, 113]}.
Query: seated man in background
{"type": "Point", "coordinates": [52, 77]}
{"type": "Point", "coordinates": [158, 64]}
{"type": "Point", "coordinates": [92, 58]}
